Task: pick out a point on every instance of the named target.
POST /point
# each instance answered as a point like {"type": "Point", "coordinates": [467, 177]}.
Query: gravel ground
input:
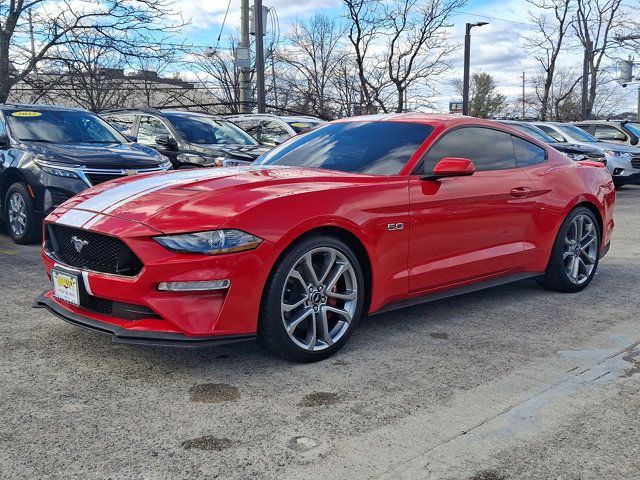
{"type": "Point", "coordinates": [512, 382]}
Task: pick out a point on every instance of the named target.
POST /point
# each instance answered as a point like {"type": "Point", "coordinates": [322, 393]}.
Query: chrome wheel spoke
{"type": "Point", "coordinates": [343, 313]}
{"type": "Point", "coordinates": [324, 326]}
{"type": "Point", "coordinates": [286, 307]}
{"type": "Point", "coordinates": [329, 265]}
{"type": "Point", "coordinates": [298, 319]}
{"type": "Point", "coordinates": [351, 295]}
{"type": "Point", "coordinates": [310, 270]}
{"type": "Point", "coordinates": [580, 249]}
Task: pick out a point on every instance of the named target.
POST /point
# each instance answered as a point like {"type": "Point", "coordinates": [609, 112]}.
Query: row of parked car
{"type": "Point", "coordinates": [48, 154]}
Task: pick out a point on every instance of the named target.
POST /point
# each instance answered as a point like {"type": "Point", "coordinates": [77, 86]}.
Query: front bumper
{"type": "Point", "coordinates": [135, 337]}
{"type": "Point", "coordinates": [137, 308]}
{"type": "Point", "coordinates": [633, 179]}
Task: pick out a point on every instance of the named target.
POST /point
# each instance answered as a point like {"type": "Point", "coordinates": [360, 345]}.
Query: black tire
{"type": "Point", "coordinates": [556, 276]}
{"type": "Point", "coordinates": [272, 333]}
{"type": "Point", "coordinates": [32, 230]}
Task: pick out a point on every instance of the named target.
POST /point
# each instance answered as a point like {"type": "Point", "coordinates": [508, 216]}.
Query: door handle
{"type": "Point", "coordinates": [520, 192]}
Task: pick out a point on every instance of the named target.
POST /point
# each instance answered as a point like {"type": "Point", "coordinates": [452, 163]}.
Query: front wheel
{"type": "Point", "coordinates": [21, 221]}
{"type": "Point", "coordinates": [313, 300]}
{"type": "Point", "coordinates": [574, 258]}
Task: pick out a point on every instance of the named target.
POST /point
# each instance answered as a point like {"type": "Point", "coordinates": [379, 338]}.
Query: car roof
{"type": "Point", "coordinates": [161, 113]}
{"type": "Point", "coordinates": [38, 106]}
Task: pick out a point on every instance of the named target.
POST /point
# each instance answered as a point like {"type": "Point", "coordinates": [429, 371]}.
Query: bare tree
{"type": "Point", "coordinates": [314, 52]}
{"type": "Point", "coordinates": [366, 24]}
{"type": "Point", "coordinates": [123, 25]}
{"type": "Point", "coordinates": [595, 22]}
{"type": "Point", "coordinates": [418, 44]}
{"type": "Point", "coordinates": [552, 22]}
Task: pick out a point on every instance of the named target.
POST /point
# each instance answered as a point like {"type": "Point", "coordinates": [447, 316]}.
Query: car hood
{"type": "Point", "coordinates": [200, 199]}
{"type": "Point", "coordinates": [575, 148]}
{"type": "Point", "coordinates": [247, 153]}
{"type": "Point", "coordinates": [616, 147]}
{"type": "Point", "coordinates": [104, 155]}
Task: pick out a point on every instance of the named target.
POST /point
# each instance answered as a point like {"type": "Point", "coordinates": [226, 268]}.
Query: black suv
{"type": "Point", "coordinates": [189, 139]}
{"type": "Point", "coordinates": [48, 154]}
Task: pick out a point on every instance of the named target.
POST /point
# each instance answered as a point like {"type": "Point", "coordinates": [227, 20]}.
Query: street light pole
{"type": "Point", "coordinates": [585, 79]}
{"type": "Point", "coordinates": [467, 58]}
{"type": "Point", "coordinates": [245, 72]}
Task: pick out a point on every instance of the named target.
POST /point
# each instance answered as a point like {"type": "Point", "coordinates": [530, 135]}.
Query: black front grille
{"type": "Point", "coordinates": [100, 253]}
{"type": "Point", "coordinates": [98, 305]}
{"type": "Point", "coordinates": [635, 162]}
{"type": "Point", "coordinates": [97, 178]}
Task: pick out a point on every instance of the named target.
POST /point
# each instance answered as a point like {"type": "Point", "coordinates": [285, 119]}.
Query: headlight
{"type": "Point", "coordinates": [614, 153]}
{"type": "Point", "coordinates": [54, 169]}
{"type": "Point", "coordinates": [228, 162]}
{"type": "Point", "coordinates": [166, 163]}
{"type": "Point", "coordinates": [214, 242]}
{"type": "Point", "coordinates": [576, 156]}
{"type": "Point", "coordinates": [191, 158]}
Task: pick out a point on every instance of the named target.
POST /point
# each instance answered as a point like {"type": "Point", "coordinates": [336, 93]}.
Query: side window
{"type": "Point", "coordinates": [527, 153]}
{"type": "Point", "coordinates": [556, 135]}
{"type": "Point", "coordinates": [149, 128]}
{"type": "Point", "coordinates": [488, 149]}
{"type": "Point", "coordinates": [271, 132]}
{"type": "Point", "coordinates": [123, 123]}
{"type": "Point", "coordinates": [249, 126]}
{"type": "Point", "coordinates": [607, 133]}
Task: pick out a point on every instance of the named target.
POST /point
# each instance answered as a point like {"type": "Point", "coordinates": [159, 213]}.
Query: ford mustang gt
{"type": "Point", "coordinates": [356, 217]}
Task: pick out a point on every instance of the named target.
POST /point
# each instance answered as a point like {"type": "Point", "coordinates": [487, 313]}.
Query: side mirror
{"type": "Point", "coordinates": [451, 167]}
{"type": "Point", "coordinates": [166, 141]}
{"type": "Point", "coordinates": [279, 140]}
{"type": "Point", "coordinates": [131, 138]}
{"type": "Point", "coordinates": [4, 140]}
{"type": "Point", "coordinates": [634, 140]}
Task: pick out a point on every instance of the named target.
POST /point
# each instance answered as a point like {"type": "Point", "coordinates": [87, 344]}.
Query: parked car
{"type": "Point", "coordinates": [189, 139]}
{"type": "Point", "coordinates": [572, 150]}
{"type": "Point", "coordinates": [357, 216]}
{"type": "Point", "coordinates": [272, 130]}
{"type": "Point", "coordinates": [48, 154]}
{"type": "Point", "coordinates": [622, 132]}
{"type": "Point", "coordinates": [623, 161]}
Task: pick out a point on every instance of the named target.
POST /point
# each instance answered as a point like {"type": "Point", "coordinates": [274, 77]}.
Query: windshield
{"type": "Point", "coordinates": [633, 127]}
{"type": "Point", "coordinates": [301, 125]}
{"type": "Point", "coordinates": [577, 133]}
{"type": "Point", "coordinates": [535, 132]}
{"type": "Point", "coordinates": [60, 126]}
{"type": "Point", "coordinates": [203, 130]}
{"type": "Point", "coordinates": [377, 148]}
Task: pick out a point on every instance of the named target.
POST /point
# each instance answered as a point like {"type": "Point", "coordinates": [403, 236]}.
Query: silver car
{"type": "Point", "coordinates": [623, 161]}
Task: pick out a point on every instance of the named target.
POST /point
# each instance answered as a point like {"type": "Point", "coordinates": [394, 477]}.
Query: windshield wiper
{"type": "Point", "coordinates": [36, 140]}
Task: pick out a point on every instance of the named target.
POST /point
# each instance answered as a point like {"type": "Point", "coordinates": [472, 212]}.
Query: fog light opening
{"type": "Point", "coordinates": [194, 286]}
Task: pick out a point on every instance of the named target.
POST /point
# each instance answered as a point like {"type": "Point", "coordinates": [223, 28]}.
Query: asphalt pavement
{"type": "Point", "coordinates": [510, 383]}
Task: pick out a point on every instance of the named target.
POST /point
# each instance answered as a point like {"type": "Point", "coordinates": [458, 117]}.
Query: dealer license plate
{"type": "Point", "coordinates": [65, 287]}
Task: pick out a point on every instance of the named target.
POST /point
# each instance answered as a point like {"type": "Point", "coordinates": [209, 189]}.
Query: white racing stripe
{"type": "Point", "coordinates": [75, 218]}
{"type": "Point", "coordinates": [112, 199]}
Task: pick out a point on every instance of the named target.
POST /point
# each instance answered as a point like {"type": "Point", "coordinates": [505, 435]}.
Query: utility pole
{"type": "Point", "coordinates": [467, 58]}
{"type": "Point", "coordinates": [523, 104]}
{"type": "Point", "coordinates": [245, 72]}
{"type": "Point", "coordinates": [260, 93]}
{"type": "Point", "coordinates": [585, 78]}
{"type": "Point", "coordinates": [33, 43]}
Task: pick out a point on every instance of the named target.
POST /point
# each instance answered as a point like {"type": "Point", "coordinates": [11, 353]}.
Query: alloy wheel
{"type": "Point", "coordinates": [17, 211]}
{"type": "Point", "coordinates": [580, 249]}
{"type": "Point", "coordinates": [319, 298]}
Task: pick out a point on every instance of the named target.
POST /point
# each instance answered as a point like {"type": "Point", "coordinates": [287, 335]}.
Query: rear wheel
{"type": "Point", "coordinates": [574, 258]}
{"type": "Point", "coordinates": [313, 300]}
{"type": "Point", "coordinates": [21, 221]}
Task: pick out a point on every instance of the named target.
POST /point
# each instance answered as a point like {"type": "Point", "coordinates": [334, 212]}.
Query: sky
{"type": "Point", "coordinates": [497, 48]}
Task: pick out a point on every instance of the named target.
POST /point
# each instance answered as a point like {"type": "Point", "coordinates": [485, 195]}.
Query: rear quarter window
{"type": "Point", "coordinates": [527, 153]}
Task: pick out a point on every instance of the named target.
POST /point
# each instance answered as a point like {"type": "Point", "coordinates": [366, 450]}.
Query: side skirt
{"type": "Point", "coordinates": [454, 292]}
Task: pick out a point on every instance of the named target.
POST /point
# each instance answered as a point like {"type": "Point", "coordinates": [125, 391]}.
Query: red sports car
{"type": "Point", "coordinates": [356, 217]}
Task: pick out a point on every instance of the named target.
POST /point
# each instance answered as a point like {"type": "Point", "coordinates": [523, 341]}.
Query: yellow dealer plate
{"type": "Point", "coordinates": [65, 287]}
{"type": "Point", "coordinates": [26, 114]}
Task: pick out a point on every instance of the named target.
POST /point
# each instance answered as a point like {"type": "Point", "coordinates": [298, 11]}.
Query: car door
{"type": "Point", "coordinates": [472, 227]}
{"type": "Point", "coordinates": [149, 129]}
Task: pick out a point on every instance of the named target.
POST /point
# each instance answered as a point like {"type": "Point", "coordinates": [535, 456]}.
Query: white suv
{"type": "Point", "coordinates": [272, 130]}
{"type": "Point", "coordinates": [623, 161]}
